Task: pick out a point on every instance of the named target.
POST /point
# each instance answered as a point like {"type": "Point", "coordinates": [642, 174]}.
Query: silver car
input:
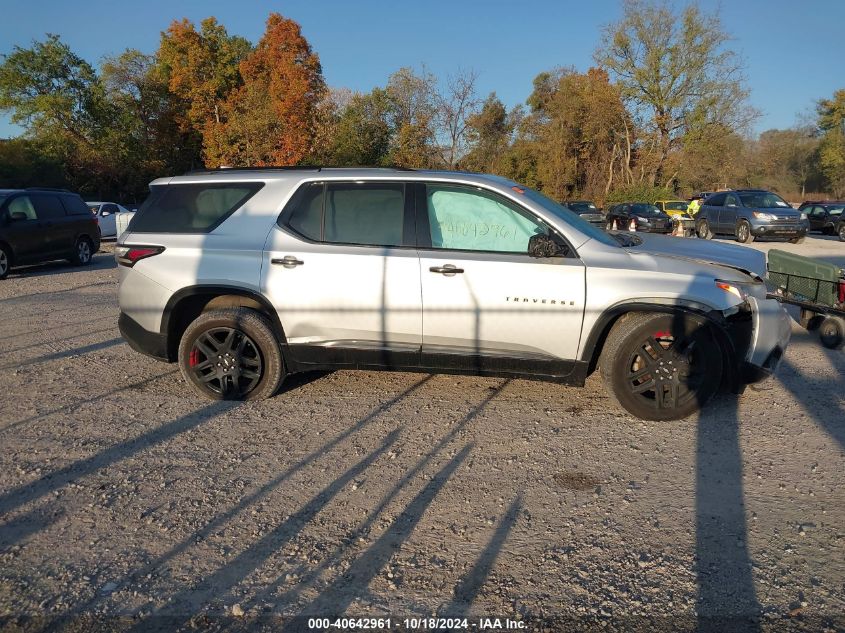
{"type": "Point", "coordinates": [246, 276]}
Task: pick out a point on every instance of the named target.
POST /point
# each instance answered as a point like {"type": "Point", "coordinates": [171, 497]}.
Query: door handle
{"type": "Point", "coordinates": [288, 261]}
{"type": "Point", "coordinates": [446, 269]}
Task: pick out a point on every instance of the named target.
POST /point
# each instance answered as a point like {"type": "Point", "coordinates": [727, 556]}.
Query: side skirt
{"type": "Point", "coordinates": [316, 357]}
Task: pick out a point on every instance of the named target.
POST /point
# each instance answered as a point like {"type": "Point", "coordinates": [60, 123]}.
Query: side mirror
{"type": "Point", "coordinates": [105, 213]}
{"type": "Point", "coordinates": [18, 216]}
{"type": "Point", "coordinates": [543, 246]}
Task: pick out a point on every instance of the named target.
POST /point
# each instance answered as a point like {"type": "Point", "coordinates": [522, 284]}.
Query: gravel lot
{"type": "Point", "coordinates": [126, 503]}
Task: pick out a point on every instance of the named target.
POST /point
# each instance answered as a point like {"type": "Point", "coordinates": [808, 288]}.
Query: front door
{"type": "Point", "coordinates": [343, 274]}
{"type": "Point", "coordinates": [486, 303]}
{"type": "Point", "coordinates": [22, 230]}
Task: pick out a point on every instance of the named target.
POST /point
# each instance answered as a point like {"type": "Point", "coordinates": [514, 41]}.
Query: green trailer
{"type": "Point", "coordinates": [816, 286]}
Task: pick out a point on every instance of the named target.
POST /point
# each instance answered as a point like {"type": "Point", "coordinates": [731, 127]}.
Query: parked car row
{"type": "Point", "coordinates": [826, 217]}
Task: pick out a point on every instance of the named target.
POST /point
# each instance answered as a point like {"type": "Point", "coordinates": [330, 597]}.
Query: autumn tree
{"type": "Point", "coordinates": [831, 123]}
{"type": "Point", "coordinates": [489, 133]}
{"type": "Point", "coordinates": [270, 119]}
{"type": "Point", "coordinates": [414, 108]}
{"type": "Point", "coordinates": [677, 74]}
{"type": "Point", "coordinates": [201, 68]}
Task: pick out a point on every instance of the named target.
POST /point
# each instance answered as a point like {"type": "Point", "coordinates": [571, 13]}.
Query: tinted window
{"type": "Point", "coordinates": [763, 200]}
{"type": "Point", "coordinates": [464, 218]}
{"type": "Point", "coordinates": [716, 201]}
{"type": "Point", "coordinates": [196, 208]}
{"type": "Point", "coordinates": [22, 205]}
{"type": "Point", "coordinates": [48, 207]}
{"type": "Point", "coordinates": [366, 214]}
{"type": "Point", "coordinates": [74, 205]}
{"type": "Point", "coordinates": [307, 216]}
{"type": "Point", "coordinates": [731, 200]}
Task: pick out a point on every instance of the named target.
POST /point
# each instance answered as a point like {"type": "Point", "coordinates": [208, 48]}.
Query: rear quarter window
{"type": "Point", "coordinates": [191, 208]}
{"type": "Point", "coordinates": [74, 205]}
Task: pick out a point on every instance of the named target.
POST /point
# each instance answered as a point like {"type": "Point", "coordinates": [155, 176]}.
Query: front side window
{"type": "Point", "coordinates": [716, 201]}
{"type": "Point", "coordinates": [731, 201]}
{"type": "Point", "coordinates": [193, 208]}
{"type": "Point", "coordinates": [471, 219]}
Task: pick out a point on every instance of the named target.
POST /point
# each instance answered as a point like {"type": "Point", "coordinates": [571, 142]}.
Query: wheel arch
{"type": "Point", "coordinates": [595, 340]}
{"type": "Point", "coordinates": [188, 303]}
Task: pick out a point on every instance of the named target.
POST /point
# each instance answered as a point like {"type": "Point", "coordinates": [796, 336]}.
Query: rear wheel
{"type": "Point", "coordinates": [832, 332]}
{"type": "Point", "coordinates": [661, 366]}
{"type": "Point", "coordinates": [83, 251]}
{"type": "Point", "coordinates": [231, 354]}
{"type": "Point", "coordinates": [703, 230]}
{"type": "Point", "coordinates": [5, 262]}
{"type": "Point", "coordinates": [743, 232]}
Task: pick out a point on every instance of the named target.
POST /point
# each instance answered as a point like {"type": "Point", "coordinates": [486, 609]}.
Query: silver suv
{"type": "Point", "coordinates": [246, 276]}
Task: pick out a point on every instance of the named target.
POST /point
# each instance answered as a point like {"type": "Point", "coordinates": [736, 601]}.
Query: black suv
{"type": "Point", "coordinates": [825, 216]}
{"type": "Point", "coordinates": [750, 213]}
{"type": "Point", "coordinates": [38, 225]}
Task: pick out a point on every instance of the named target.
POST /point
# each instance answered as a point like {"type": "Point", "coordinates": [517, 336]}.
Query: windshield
{"type": "Point", "coordinates": [569, 217]}
{"type": "Point", "coordinates": [676, 206]}
{"type": "Point", "coordinates": [582, 207]}
{"type": "Point", "coordinates": [645, 210]}
{"type": "Point", "coordinates": [763, 200]}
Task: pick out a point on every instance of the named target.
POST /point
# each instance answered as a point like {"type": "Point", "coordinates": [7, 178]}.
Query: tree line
{"type": "Point", "coordinates": [664, 112]}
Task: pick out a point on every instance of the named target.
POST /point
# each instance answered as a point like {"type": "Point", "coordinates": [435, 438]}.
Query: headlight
{"type": "Point", "coordinates": [764, 216]}
{"type": "Point", "coordinates": [803, 216]}
{"type": "Point", "coordinates": [740, 289]}
{"type": "Point", "coordinates": [639, 219]}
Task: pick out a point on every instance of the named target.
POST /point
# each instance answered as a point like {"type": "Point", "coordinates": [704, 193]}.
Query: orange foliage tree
{"type": "Point", "coordinates": [269, 119]}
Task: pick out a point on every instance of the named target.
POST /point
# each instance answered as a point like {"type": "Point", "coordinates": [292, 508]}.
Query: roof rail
{"type": "Point", "coordinates": [48, 189]}
{"type": "Point", "coordinates": [220, 170]}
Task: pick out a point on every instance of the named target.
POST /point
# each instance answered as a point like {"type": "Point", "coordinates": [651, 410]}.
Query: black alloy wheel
{"type": "Point", "coordinates": [226, 361]}
{"type": "Point", "coordinates": [662, 366]}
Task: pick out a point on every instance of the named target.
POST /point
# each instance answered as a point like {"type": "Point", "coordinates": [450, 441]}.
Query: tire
{"type": "Point", "coordinates": [832, 332]}
{"type": "Point", "coordinates": [694, 353]}
{"type": "Point", "coordinates": [83, 252]}
{"type": "Point", "coordinates": [743, 233]}
{"type": "Point", "coordinates": [251, 365]}
{"type": "Point", "coordinates": [797, 240]}
{"type": "Point", "coordinates": [5, 261]}
{"type": "Point", "coordinates": [842, 232]}
{"type": "Point", "coordinates": [703, 230]}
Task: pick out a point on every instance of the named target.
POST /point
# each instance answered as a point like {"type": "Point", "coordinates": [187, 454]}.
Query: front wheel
{"type": "Point", "coordinates": [703, 230]}
{"type": "Point", "coordinates": [661, 366]}
{"type": "Point", "coordinates": [5, 262]}
{"type": "Point", "coordinates": [231, 354]}
{"type": "Point", "coordinates": [743, 233]}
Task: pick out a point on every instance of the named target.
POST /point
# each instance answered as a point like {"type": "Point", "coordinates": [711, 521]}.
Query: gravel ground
{"type": "Point", "coordinates": [127, 503]}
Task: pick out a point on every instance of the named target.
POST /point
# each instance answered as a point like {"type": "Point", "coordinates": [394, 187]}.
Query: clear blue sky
{"type": "Point", "coordinates": [794, 51]}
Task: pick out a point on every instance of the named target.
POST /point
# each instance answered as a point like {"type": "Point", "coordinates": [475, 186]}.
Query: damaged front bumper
{"type": "Point", "coordinates": [760, 332]}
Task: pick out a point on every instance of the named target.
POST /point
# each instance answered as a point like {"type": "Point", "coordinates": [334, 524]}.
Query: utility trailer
{"type": "Point", "coordinates": [817, 287]}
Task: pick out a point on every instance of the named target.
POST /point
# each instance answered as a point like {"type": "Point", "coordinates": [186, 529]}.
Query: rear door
{"type": "Point", "coordinates": [343, 274]}
{"type": "Point", "coordinates": [486, 302]}
{"type": "Point", "coordinates": [57, 231]}
{"type": "Point", "coordinates": [22, 230]}
{"type": "Point", "coordinates": [728, 213]}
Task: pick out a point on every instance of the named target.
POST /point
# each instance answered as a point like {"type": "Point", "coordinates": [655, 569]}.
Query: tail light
{"type": "Point", "coordinates": [131, 255]}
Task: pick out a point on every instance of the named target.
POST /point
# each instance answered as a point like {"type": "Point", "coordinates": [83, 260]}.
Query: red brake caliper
{"type": "Point", "coordinates": [194, 358]}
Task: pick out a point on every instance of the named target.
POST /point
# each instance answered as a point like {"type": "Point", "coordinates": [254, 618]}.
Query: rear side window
{"type": "Point", "coordinates": [195, 208]}
{"type": "Point", "coordinates": [74, 205]}
{"type": "Point", "coordinates": [48, 207]}
{"type": "Point", "coordinates": [365, 214]}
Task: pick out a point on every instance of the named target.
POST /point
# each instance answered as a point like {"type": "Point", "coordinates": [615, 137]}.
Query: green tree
{"type": "Point", "coordinates": [414, 108]}
{"type": "Point", "coordinates": [831, 122]}
{"type": "Point", "coordinates": [489, 134]}
{"type": "Point", "coordinates": [678, 75]}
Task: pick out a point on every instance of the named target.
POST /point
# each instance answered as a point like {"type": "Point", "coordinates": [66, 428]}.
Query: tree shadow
{"type": "Point", "coordinates": [337, 597]}
{"type": "Point", "coordinates": [76, 351]}
{"type": "Point", "coordinates": [100, 261]}
{"type": "Point", "coordinates": [26, 493]}
{"type": "Point", "coordinates": [468, 588]}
